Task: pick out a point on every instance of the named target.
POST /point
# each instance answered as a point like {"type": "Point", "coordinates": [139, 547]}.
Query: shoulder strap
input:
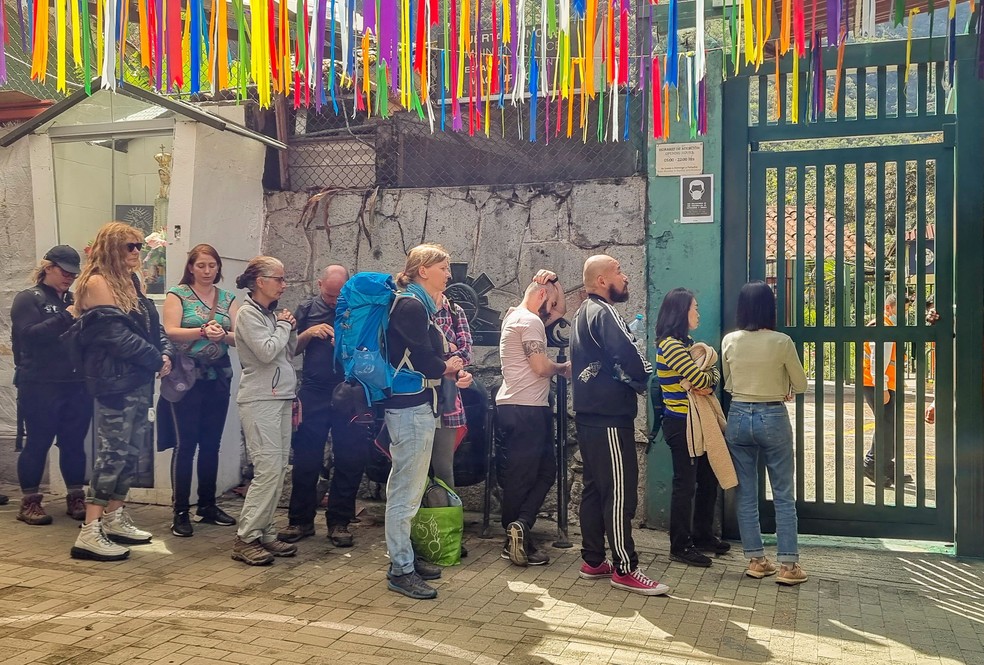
{"type": "Point", "coordinates": [215, 303]}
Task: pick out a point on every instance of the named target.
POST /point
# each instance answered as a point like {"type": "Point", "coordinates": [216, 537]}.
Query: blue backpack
{"type": "Point", "coordinates": [361, 320]}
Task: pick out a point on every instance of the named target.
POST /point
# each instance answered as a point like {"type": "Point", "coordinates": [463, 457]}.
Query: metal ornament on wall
{"type": "Point", "coordinates": [471, 294]}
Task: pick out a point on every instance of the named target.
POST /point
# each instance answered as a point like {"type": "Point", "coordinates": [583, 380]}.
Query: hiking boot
{"type": "Point", "coordinates": [75, 505]}
{"type": "Point", "coordinates": [637, 582]}
{"type": "Point", "coordinates": [537, 558]}
{"type": "Point", "coordinates": [712, 545]}
{"type": "Point", "coordinates": [295, 532]}
{"type": "Point", "coordinates": [118, 526]}
{"type": "Point", "coordinates": [4, 499]}
{"type": "Point", "coordinates": [181, 526]}
{"type": "Point", "coordinates": [93, 544]}
{"type": "Point", "coordinates": [602, 570]}
{"type": "Point", "coordinates": [251, 553]}
{"type": "Point", "coordinates": [215, 515]}
{"type": "Point", "coordinates": [340, 536]}
{"type": "Point", "coordinates": [280, 548]}
{"type": "Point", "coordinates": [517, 543]}
{"type": "Point", "coordinates": [791, 574]}
{"type": "Point", "coordinates": [759, 567]}
{"type": "Point", "coordinates": [425, 569]}
{"type": "Point", "coordinates": [411, 585]}
{"type": "Point", "coordinates": [31, 511]}
{"type": "Point", "coordinates": [691, 557]}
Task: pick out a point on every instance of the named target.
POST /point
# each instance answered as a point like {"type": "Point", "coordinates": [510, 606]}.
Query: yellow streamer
{"type": "Point", "coordinates": [759, 34]}
{"type": "Point", "coordinates": [76, 34]}
{"type": "Point", "coordinates": [222, 45]}
{"type": "Point", "coordinates": [796, 97]}
{"type": "Point", "coordinates": [750, 55]}
{"type": "Point", "coordinates": [61, 28]}
{"type": "Point", "coordinates": [488, 93]}
{"type": "Point", "coordinates": [908, 45]}
{"type": "Point", "coordinates": [99, 34]}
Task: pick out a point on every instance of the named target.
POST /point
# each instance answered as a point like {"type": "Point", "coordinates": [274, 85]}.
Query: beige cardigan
{"type": "Point", "coordinates": [706, 423]}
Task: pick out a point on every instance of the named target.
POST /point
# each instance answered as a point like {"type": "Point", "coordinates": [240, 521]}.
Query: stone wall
{"type": "Point", "coordinates": [507, 233]}
{"type": "Point", "coordinates": [16, 261]}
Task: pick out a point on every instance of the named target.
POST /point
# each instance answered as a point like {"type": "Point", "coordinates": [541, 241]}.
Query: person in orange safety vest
{"type": "Point", "coordinates": [884, 436]}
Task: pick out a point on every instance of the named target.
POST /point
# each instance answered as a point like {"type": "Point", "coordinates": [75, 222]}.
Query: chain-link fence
{"type": "Point", "coordinates": [350, 150]}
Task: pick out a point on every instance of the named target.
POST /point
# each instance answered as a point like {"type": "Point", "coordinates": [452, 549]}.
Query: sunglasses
{"type": "Point", "coordinates": [130, 246]}
{"type": "Point", "coordinates": [69, 275]}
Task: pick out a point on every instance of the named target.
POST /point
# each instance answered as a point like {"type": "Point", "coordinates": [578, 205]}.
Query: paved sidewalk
{"type": "Point", "coordinates": [185, 602]}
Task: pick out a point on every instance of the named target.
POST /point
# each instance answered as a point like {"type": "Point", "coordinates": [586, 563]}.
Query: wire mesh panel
{"type": "Point", "coordinates": [340, 150]}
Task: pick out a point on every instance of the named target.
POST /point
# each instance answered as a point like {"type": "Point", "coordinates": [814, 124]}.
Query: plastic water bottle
{"type": "Point", "coordinates": [638, 328]}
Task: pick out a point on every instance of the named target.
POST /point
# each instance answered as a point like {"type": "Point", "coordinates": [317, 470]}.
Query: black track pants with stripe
{"type": "Point", "coordinates": [608, 504]}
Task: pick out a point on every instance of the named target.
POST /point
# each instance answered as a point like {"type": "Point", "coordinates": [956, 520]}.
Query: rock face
{"type": "Point", "coordinates": [507, 233]}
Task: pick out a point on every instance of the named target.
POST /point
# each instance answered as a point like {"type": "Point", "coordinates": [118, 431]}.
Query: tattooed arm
{"type": "Point", "coordinates": [536, 355]}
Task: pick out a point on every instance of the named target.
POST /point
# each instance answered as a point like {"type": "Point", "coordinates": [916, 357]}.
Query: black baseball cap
{"type": "Point", "coordinates": [65, 258]}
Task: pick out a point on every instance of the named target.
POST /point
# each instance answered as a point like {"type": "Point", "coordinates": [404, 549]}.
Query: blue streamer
{"type": "Point", "coordinates": [321, 87]}
{"type": "Point", "coordinates": [534, 85]}
{"type": "Point", "coordinates": [672, 48]}
{"type": "Point", "coordinates": [625, 134]}
{"type": "Point", "coordinates": [195, 54]}
{"type": "Point", "coordinates": [30, 21]}
{"type": "Point", "coordinates": [20, 19]}
{"type": "Point", "coordinates": [502, 80]}
{"type": "Point", "coordinates": [579, 7]}
{"type": "Point", "coordinates": [444, 106]}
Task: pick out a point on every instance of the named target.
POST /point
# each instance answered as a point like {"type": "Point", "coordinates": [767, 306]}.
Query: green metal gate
{"type": "Point", "coordinates": [837, 212]}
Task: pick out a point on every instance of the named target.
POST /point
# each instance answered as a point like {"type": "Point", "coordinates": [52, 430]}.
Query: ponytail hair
{"type": "Point", "coordinates": [421, 256]}
{"type": "Point", "coordinates": [257, 266]}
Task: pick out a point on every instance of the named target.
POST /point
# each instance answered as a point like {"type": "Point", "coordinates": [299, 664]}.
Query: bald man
{"type": "Point", "coordinates": [609, 373]}
{"type": "Point", "coordinates": [319, 377]}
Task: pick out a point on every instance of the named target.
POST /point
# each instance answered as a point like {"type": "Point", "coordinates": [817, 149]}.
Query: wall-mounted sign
{"type": "Point", "coordinates": [696, 199]}
{"type": "Point", "coordinates": [680, 159]}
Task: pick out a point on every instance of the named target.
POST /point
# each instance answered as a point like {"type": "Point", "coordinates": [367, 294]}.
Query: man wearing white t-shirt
{"type": "Point", "coordinates": [523, 416]}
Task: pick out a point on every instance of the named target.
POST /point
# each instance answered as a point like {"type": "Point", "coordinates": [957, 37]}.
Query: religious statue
{"type": "Point", "coordinates": [164, 171]}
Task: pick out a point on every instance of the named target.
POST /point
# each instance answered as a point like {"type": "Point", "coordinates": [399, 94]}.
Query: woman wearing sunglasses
{"type": "Point", "coordinates": [51, 399]}
{"type": "Point", "coordinates": [122, 346]}
{"type": "Point", "coordinates": [266, 340]}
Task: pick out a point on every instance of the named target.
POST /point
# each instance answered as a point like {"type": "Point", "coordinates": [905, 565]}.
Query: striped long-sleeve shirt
{"type": "Point", "coordinates": [673, 366]}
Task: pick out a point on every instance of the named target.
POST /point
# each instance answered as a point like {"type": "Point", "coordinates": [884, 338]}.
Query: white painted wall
{"type": "Point", "coordinates": [216, 197]}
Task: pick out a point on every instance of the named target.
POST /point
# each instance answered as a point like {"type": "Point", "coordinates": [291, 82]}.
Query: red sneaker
{"type": "Point", "coordinates": [603, 569]}
{"type": "Point", "coordinates": [637, 582]}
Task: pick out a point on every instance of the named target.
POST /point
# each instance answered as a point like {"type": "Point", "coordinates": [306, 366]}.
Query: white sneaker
{"type": "Point", "coordinates": [118, 526]}
{"type": "Point", "coordinates": [93, 544]}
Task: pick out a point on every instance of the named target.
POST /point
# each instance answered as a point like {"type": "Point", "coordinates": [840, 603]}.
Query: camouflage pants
{"type": "Point", "coordinates": [121, 428]}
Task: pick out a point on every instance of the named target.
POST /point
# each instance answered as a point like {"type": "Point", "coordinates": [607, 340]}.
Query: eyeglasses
{"type": "Point", "coordinates": [130, 246]}
{"type": "Point", "coordinates": [279, 279]}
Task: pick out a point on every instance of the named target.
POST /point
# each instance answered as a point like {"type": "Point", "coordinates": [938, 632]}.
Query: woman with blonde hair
{"type": "Point", "coordinates": [266, 340]}
{"type": "Point", "coordinates": [122, 346]}
{"type": "Point", "coordinates": [51, 398]}
{"type": "Point", "coordinates": [415, 343]}
{"type": "Point", "coordinates": [199, 318]}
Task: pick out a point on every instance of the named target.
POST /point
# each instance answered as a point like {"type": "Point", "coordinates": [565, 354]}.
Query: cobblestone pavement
{"type": "Point", "coordinates": [185, 602]}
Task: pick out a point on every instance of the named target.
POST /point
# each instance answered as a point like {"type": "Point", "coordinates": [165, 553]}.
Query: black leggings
{"type": "Point", "coordinates": [51, 411]}
{"type": "Point", "coordinates": [199, 419]}
{"type": "Point", "coordinates": [694, 490]}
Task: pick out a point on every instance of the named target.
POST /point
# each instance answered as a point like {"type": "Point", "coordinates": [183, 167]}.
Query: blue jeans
{"type": "Point", "coordinates": [756, 429]}
{"type": "Point", "coordinates": [411, 433]}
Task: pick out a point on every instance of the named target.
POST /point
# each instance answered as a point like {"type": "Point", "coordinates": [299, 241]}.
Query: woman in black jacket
{"type": "Point", "coordinates": [122, 346]}
{"type": "Point", "coordinates": [51, 399]}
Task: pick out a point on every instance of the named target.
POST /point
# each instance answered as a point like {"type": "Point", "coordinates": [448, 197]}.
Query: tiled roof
{"type": "Point", "coordinates": [809, 230]}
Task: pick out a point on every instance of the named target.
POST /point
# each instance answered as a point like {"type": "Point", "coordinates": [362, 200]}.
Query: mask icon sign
{"type": "Point", "coordinates": [696, 199]}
